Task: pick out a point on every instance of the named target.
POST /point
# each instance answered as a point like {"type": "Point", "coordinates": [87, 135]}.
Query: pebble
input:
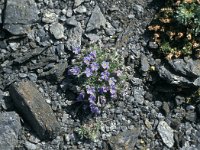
{"type": "Point", "coordinates": [57, 30]}
{"type": "Point", "coordinates": [166, 133]}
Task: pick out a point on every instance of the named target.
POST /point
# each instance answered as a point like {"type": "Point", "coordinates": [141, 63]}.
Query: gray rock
{"type": "Point", "coordinates": [144, 63]}
{"type": "Point", "coordinates": [92, 37]}
{"type": "Point", "coordinates": [176, 79]}
{"type": "Point", "coordinates": [30, 102]}
{"type": "Point", "coordinates": [166, 133]}
{"type": "Point", "coordinates": [10, 127]}
{"type": "Point", "coordinates": [78, 2]}
{"type": "Point", "coordinates": [187, 67]}
{"type": "Point", "coordinates": [69, 12]}
{"type": "Point", "coordinates": [139, 95]}
{"type": "Point", "coordinates": [57, 72]}
{"type": "Point", "coordinates": [57, 30]}
{"type": "Point", "coordinates": [125, 140]}
{"type": "Point", "coordinates": [74, 37]}
{"type": "Point", "coordinates": [80, 9]}
{"type": "Point", "coordinates": [30, 146]}
{"type": "Point", "coordinates": [72, 21]}
{"type": "Point", "coordinates": [152, 45]}
{"type": "Point", "coordinates": [97, 20]}
{"type": "Point", "coordinates": [49, 16]}
{"type": "Point", "coordinates": [19, 15]}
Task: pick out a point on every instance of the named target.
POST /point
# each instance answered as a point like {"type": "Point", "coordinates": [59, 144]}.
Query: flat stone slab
{"type": "Point", "coordinates": [125, 140]}
{"type": "Point", "coordinates": [34, 109]}
{"type": "Point", "coordinates": [10, 127]}
{"type": "Point", "coordinates": [19, 14]}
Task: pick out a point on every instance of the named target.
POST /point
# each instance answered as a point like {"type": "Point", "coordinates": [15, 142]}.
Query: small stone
{"type": "Point", "coordinates": [72, 21]}
{"type": "Point", "coordinates": [10, 127]}
{"type": "Point", "coordinates": [57, 30]}
{"type": "Point", "coordinates": [49, 16]}
{"type": "Point", "coordinates": [144, 63]}
{"type": "Point", "coordinates": [152, 45]}
{"type": "Point", "coordinates": [30, 146]}
{"type": "Point", "coordinates": [165, 107]}
{"type": "Point", "coordinates": [78, 2]}
{"type": "Point", "coordinates": [80, 9]}
{"type": "Point", "coordinates": [69, 12]}
{"type": "Point", "coordinates": [190, 116]}
{"type": "Point", "coordinates": [125, 140]}
{"type": "Point", "coordinates": [166, 133]}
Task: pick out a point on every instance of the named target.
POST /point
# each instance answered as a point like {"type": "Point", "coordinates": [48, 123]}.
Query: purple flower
{"type": "Point", "coordinates": [87, 60]}
{"type": "Point", "coordinates": [113, 90]}
{"type": "Point", "coordinates": [81, 96]}
{"type": "Point", "coordinates": [74, 70]}
{"type": "Point", "coordinates": [90, 90]}
{"type": "Point", "coordinates": [93, 55]}
{"type": "Point", "coordinates": [112, 81]}
{"type": "Point", "coordinates": [76, 50]}
{"type": "Point", "coordinates": [105, 64]}
{"type": "Point", "coordinates": [105, 75]}
{"type": "Point", "coordinates": [102, 100]}
{"type": "Point", "coordinates": [103, 89]}
{"type": "Point", "coordinates": [94, 109]}
{"type": "Point", "coordinates": [88, 72]}
{"type": "Point", "coordinates": [94, 66]}
{"type": "Point", "coordinates": [92, 99]}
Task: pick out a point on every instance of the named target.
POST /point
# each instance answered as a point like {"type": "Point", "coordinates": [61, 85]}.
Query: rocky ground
{"type": "Point", "coordinates": [160, 109]}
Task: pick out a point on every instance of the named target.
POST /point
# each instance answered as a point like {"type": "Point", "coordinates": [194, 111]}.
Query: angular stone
{"type": "Point", "coordinates": [144, 63]}
{"type": "Point", "coordinates": [34, 109]}
{"type": "Point", "coordinates": [75, 35]}
{"type": "Point", "coordinates": [19, 15]}
{"type": "Point", "coordinates": [125, 140]}
{"type": "Point", "coordinates": [57, 30]}
{"type": "Point", "coordinates": [10, 127]}
{"type": "Point", "coordinates": [97, 20]}
{"type": "Point", "coordinates": [166, 133]}
{"type": "Point", "coordinates": [78, 2]}
{"type": "Point", "coordinates": [187, 67]}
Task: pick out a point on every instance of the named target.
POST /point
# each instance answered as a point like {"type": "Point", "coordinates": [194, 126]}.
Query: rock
{"type": "Point", "coordinates": [139, 95]}
{"type": "Point", "coordinates": [152, 45]}
{"type": "Point", "coordinates": [72, 21]}
{"type": "Point", "coordinates": [92, 37]}
{"type": "Point", "coordinates": [177, 79]}
{"type": "Point", "coordinates": [190, 116]}
{"type": "Point", "coordinates": [10, 127]}
{"type": "Point", "coordinates": [78, 2]}
{"type": "Point", "coordinates": [80, 9]}
{"type": "Point", "coordinates": [49, 16]}
{"type": "Point", "coordinates": [31, 104]}
{"type": "Point", "coordinates": [166, 133]}
{"type": "Point", "coordinates": [97, 20]}
{"type": "Point", "coordinates": [166, 108]}
{"type": "Point", "coordinates": [144, 63]}
{"type": "Point", "coordinates": [69, 12]}
{"type": "Point", "coordinates": [125, 140]}
{"type": "Point", "coordinates": [57, 30]}
{"type": "Point", "coordinates": [75, 35]}
{"type": "Point", "coordinates": [186, 67]}
{"type": "Point", "coordinates": [30, 146]}
{"type": "Point", "coordinates": [57, 72]}
{"type": "Point", "coordinates": [19, 15]}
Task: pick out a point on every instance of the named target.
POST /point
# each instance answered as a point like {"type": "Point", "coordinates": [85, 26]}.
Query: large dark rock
{"type": "Point", "coordinates": [182, 72]}
{"type": "Point", "coordinates": [19, 15]}
{"type": "Point", "coordinates": [33, 107]}
{"type": "Point", "coordinates": [125, 140]}
{"type": "Point", "coordinates": [9, 130]}
{"type": "Point", "coordinates": [187, 67]}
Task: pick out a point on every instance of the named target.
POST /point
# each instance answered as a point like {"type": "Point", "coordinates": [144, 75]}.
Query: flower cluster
{"type": "Point", "coordinates": [98, 75]}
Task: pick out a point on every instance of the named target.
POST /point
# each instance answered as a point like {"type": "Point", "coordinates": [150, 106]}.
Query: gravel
{"type": "Point", "coordinates": [160, 108]}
